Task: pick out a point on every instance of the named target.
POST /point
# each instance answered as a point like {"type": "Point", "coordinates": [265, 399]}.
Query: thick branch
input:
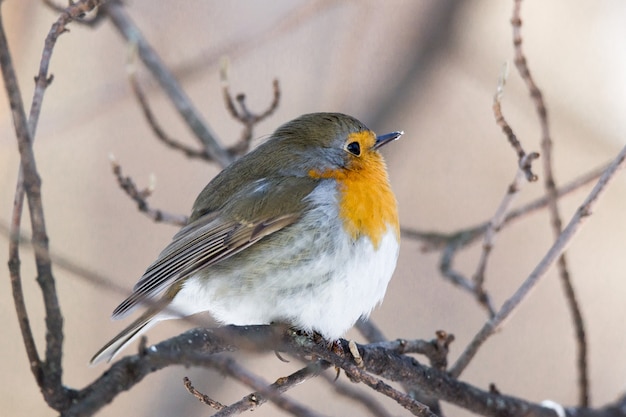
{"type": "Point", "coordinates": [195, 347]}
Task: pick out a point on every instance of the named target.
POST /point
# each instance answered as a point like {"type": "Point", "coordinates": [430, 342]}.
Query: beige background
{"type": "Point", "coordinates": [426, 67]}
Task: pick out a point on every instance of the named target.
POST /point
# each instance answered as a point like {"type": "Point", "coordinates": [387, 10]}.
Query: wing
{"type": "Point", "coordinates": [218, 235]}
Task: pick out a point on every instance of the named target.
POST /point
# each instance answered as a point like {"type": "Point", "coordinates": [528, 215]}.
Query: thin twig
{"type": "Point", "coordinates": [564, 239]}
{"type": "Point", "coordinates": [416, 408]}
{"type": "Point", "coordinates": [158, 131]}
{"type": "Point", "coordinates": [450, 243]}
{"type": "Point", "coordinates": [524, 171]}
{"type": "Point", "coordinates": [551, 191]}
{"type": "Point", "coordinates": [282, 385]}
{"type": "Point", "coordinates": [264, 390]}
{"type": "Point", "coordinates": [489, 240]}
{"type": "Point", "coordinates": [203, 398]}
{"type": "Point", "coordinates": [141, 198]}
{"type": "Point", "coordinates": [242, 114]}
{"type": "Point", "coordinates": [49, 372]}
{"type": "Point", "coordinates": [524, 162]}
{"type": "Point", "coordinates": [127, 28]}
{"type": "Point", "coordinates": [83, 19]}
{"type": "Point", "coordinates": [441, 241]}
{"type": "Point", "coordinates": [66, 264]}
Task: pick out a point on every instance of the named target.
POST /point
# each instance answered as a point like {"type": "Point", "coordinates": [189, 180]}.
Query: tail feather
{"type": "Point", "coordinates": [126, 336]}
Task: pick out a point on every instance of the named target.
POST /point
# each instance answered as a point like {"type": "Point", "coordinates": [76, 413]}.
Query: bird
{"type": "Point", "coordinates": [302, 230]}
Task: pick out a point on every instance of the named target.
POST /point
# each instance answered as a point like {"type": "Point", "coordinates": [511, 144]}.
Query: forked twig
{"type": "Point", "coordinates": [564, 239]}
{"type": "Point", "coordinates": [432, 241]}
{"type": "Point", "coordinates": [449, 244]}
{"type": "Point", "coordinates": [242, 114]}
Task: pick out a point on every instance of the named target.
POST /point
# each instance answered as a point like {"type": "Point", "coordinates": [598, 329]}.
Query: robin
{"type": "Point", "coordinates": [303, 230]}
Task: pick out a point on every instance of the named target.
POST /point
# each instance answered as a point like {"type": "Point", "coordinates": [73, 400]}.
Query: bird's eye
{"type": "Point", "coordinates": [354, 148]}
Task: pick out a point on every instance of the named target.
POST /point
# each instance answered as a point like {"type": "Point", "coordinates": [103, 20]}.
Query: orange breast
{"type": "Point", "coordinates": [367, 205]}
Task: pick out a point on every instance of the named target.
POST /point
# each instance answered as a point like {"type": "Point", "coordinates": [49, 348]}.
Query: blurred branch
{"type": "Point", "coordinates": [244, 115]}
{"type": "Point", "coordinates": [433, 241]}
{"type": "Point", "coordinates": [158, 131]}
{"type": "Point", "coordinates": [583, 212]}
{"type": "Point", "coordinates": [551, 192]}
{"type": "Point", "coordinates": [126, 27]}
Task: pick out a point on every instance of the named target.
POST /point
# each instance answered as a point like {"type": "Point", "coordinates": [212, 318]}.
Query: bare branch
{"type": "Point", "coordinates": [83, 18]}
{"type": "Point", "coordinates": [264, 391]}
{"type": "Point", "coordinates": [583, 212]}
{"type": "Point", "coordinates": [49, 372]}
{"type": "Point", "coordinates": [158, 131]}
{"type": "Point", "coordinates": [127, 28]}
{"type": "Point", "coordinates": [391, 365]}
{"type": "Point", "coordinates": [436, 351]}
{"type": "Point", "coordinates": [524, 172]}
{"type": "Point", "coordinates": [243, 114]}
{"type": "Point", "coordinates": [203, 398]}
{"type": "Point", "coordinates": [282, 385]}
{"type": "Point", "coordinates": [465, 237]}
{"type": "Point", "coordinates": [551, 191]}
{"type": "Point", "coordinates": [140, 197]}
{"type": "Point", "coordinates": [356, 374]}
{"type": "Point", "coordinates": [523, 161]}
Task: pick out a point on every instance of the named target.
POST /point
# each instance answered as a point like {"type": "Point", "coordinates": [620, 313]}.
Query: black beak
{"type": "Point", "coordinates": [385, 139]}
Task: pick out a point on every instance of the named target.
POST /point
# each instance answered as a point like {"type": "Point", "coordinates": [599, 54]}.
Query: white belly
{"type": "Point", "coordinates": [326, 300]}
{"type": "Point", "coordinates": [321, 280]}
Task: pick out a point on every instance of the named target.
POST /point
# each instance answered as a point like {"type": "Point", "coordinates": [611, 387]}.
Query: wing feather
{"type": "Point", "coordinates": [202, 247]}
{"type": "Point", "coordinates": [216, 236]}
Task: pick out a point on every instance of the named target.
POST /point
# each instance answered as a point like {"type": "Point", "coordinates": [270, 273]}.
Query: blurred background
{"type": "Point", "coordinates": [427, 67]}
